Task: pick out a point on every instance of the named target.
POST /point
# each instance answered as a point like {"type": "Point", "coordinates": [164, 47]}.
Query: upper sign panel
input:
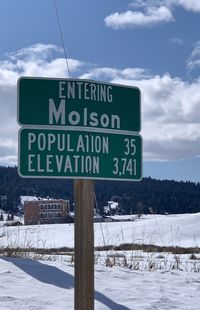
{"type": "Point", "coordinates": [78, 103]}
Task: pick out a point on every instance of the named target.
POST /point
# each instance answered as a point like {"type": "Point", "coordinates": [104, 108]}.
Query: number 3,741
{"type": "Point", "coordinates": [123, 166]}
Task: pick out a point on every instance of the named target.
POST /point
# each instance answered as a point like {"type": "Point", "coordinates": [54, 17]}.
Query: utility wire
{"type": "Point", "coordinates": [62, 40]}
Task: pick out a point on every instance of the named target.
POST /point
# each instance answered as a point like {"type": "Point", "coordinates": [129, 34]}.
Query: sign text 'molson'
{"type": "Point", "coordinates": [80, 103]}
{"type": "Point", "coordinates": [79, 154]}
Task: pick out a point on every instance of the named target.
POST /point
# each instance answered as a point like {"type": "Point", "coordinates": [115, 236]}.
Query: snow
{"type": "Point", "coordinates": [39, 285]}
{"type": "Point", "coordinates": [164, 230]}
{"type": "Point", "coordinates": [47, 282]}
{"type": "Point", "coordinates": [24, 199]}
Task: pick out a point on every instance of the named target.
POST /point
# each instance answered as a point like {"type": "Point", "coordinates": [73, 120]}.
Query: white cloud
{"type": "Point", "coordinates": [177, 41]}
{"type": "Point", "coordinates": [189, 5]}
{"type": "Point", "coordinates": [148, 13]}
{"type": "Point", "coordinates": [111, 73]}
{"type": "Point", "coordinates": [8, 124]}
{"type": "Point", "coordinates": [152, 16]}
{"type": "Point", "coordinates": [196, 50]}
{"type": "Point", "coordinates": [147, 3]}
{"type": "Point", "coordinates": [170, 106]}
{"type": "Point", "coordinates": [37, 60]}
{"type": "Point", "coordinates": [170, 115]}
{"type": "Point", "coordinates": [43, 51]}
{"type": "Point", "coordinates": [194, 60]}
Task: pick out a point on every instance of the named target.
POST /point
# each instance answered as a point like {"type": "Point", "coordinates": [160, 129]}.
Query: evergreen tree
{"type": "Point", "coordinates": [160, 196]}
{"type": "Point", "coordinates": [8, 217]}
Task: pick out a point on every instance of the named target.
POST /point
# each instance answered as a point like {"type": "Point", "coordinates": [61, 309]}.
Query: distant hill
{"type": "Point", "coordinates": [147, 196]}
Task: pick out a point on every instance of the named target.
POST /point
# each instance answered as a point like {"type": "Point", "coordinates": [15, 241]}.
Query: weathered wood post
{"type": "Point", "coordinates": [84, 244]}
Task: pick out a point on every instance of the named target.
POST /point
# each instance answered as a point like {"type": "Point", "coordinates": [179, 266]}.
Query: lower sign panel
{"type": "Point", "coordinates": [47, 153]}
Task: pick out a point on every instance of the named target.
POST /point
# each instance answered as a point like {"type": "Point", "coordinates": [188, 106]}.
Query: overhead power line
{"type": "Point", "coordinates": [62, 40]}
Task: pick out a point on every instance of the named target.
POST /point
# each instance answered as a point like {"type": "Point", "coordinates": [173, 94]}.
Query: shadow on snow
{"type": "Point", "coordinates": [54, 276]}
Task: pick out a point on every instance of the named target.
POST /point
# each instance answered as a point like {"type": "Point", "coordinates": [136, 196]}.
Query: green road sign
{"type": "Point", "coordinates": [56, 153]}
{"type": "Point", "coordinates": [78, 103]}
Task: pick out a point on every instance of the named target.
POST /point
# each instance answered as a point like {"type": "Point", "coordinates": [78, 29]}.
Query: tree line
{"type": "Point", "coordinates": [147, 196]}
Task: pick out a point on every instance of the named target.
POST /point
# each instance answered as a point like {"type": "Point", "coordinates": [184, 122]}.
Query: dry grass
{"type": "Point", "coordinates": [136, 257]}
{"type": "Point", "coordinates": [148, 248]}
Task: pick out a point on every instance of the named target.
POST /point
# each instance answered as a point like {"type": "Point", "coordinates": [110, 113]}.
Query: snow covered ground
{"type": "Point", "coordinates": [165, 230]}
{"type": "Point", "coordinates": [28, 284]}
{"type": "Point", "coordinates": [42, 285]}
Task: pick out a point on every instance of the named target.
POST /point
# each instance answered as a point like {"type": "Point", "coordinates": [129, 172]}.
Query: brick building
{"type": "Point", "coordinates": [47, 211]}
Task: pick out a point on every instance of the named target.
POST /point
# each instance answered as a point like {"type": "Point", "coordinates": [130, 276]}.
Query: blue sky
{"type": "Point", "coordinates": [152, 44]}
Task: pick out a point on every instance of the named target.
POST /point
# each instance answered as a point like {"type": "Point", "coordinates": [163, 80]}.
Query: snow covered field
{"type": "Point", "coordinates": [48, 284]}
{"type": "Point", "coordinates": [165, 230]}
{"type": "Point", "coordinates": [27, 284]}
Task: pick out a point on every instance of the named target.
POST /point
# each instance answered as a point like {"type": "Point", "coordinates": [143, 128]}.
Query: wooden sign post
{"type": "Point", "coordinates": [84, 244]}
